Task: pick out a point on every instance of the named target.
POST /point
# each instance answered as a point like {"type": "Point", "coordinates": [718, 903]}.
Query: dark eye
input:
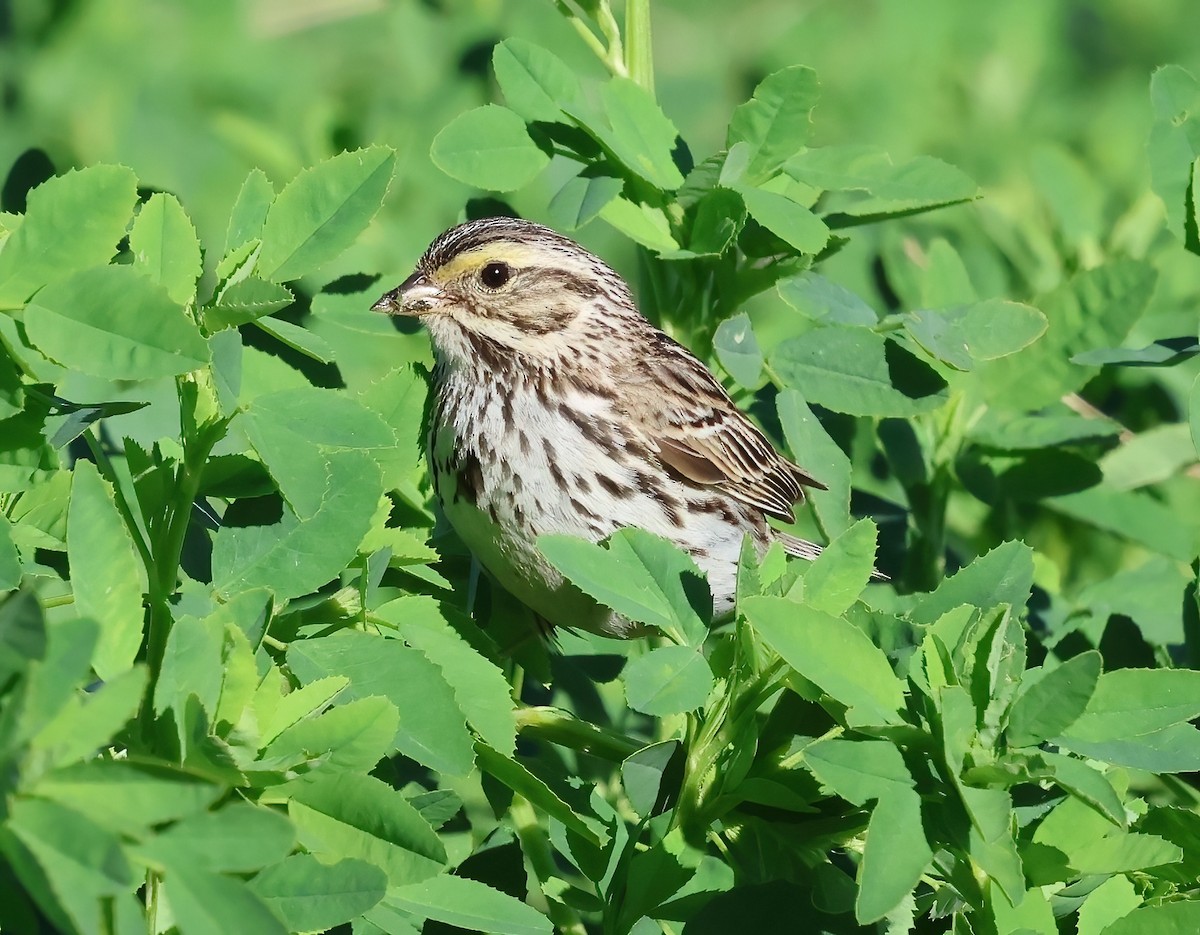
{"type": "Point", "coordinates": [495, 275]}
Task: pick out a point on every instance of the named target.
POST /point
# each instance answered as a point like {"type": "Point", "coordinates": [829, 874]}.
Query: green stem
{"type": "Point", "coordinates": [639, 58]}
{"type": "Point", "coordinates": [108, 472]}
{"type": "Point", "coordinates": [557, 726]}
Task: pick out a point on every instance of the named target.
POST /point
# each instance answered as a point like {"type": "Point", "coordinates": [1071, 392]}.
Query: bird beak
{"type": "Point", "coordinates": [415, 296]}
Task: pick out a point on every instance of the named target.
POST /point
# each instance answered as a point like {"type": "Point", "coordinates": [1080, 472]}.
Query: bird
{"type": "Point", "coordinates": [559, 408]}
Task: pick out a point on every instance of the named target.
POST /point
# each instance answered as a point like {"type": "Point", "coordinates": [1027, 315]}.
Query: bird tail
{"type": "Point", "coordinates": [802, 548]}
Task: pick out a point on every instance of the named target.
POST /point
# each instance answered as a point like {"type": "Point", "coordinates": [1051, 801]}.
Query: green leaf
{"type": "Point", "coordinates": [776, 121]}
{"type": "Point", "coordinates": [582, 198]}
{"type": "Point", "coordinates": [480, 688]}
{"type": "Point", "coordinates": [71, 223]}
{"type": "Point", "coordinates": [824, 300]}
{"type": "Point", "coordinates": [351, 815]}
{"type": "Point", "coordinates": [1174, 141]}
{"type": "Point", "coordinates": [1131, 515]}
{"type": "Point", "coordinates": [488, 147]}
{"type": "Point", "coordinates": [10, 560]}
{"type": "Point", "coordinates": [990, 838]}
{"type": "Point", "coordinates": [1086, 784]}
{"type": "Point", "coordinates": [165, 247]}
{"type": "Point", "coordinates": [1121, 853]}
{"type": "Point", "coordinates": [859, 770]}
{"type": "Point", "coordinates": [275, 712]}
{"type": "Point", "coordinates": [191, 666]}
{"type": "Point", "coordinates": [812, 447]}
{"type": "Point", "coordinates": [788, 220]}
{"type": "Point", "coordinates": [535, 82]}
{"type": "Point", "coordinates": [641, 576]}
{"type": "Point", "coordinates": [984, 331]}
{"type": "Point", "coordinates": [668, 680]}
{"type": "Point", "coordinates": [432, 729]}
{"type": "Point", "coordinates": [831, 653]}
{"type": "Point", "coordinates": [716, 220]}
{"type": "Point", "coordinates": [106, 576]}
{"type": "Point", "coordinates": [858, 372]}
{"type": "Point", "coordinates": [205, 903]}
{"type": "Point", "coordinates": [738, 351]}
{"type": "Point", "coordinates": [311, 896]}
{"type": "Point", "coordinates": [89, 721]}
{"type": "Point", "coordinates": [1149, 457]}
{"type": "Point", "coordinates": [642, 775]}
{"type": "Point", "coordinates": [642, 137]}
{"type": "Point", "coordinates": [1194, 413]}
{"type": "Point", "coordinates": [245, 301]}
{"type": "Point", "coordinates": [643, 223]}
{"type": "Point", "coordinates": [895, 857]}
{"type": "Point", "coordinates": [1052, 703]}
{"type": "Point", "coordinates": [351, 736]}
{"type": "Point", "coordinates": [835, 579]}
{"type": "Point", "coordinates": [470, 905]}
{"type": "Point", "coordinates": [1002, 576]}
{"type": "Point", "coordinates": [239, 838]}
{"type": "Point", "coordinates": [1177, 918]}
{"type": "Point", "coordinates": [1111, 900]}
{"type": "Point", "coordinates": [1173, 749]}
{"type": "Point", "coordinates": [322, 211]}
{"type": "Point", "coordinates": [294, 556]}
{"type": "Point", "coordinates": [1131, 702]}
{"type": "Point", "coordinates": [113, 322]}
{"type": "Point", "coordinates": [250, 209]}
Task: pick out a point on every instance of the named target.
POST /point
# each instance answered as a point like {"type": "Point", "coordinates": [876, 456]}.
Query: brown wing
{"type": "Point", "coordinates": [703, 436]}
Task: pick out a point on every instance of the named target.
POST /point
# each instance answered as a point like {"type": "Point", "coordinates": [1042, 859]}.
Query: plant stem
{"type": "Point", "coordinates": [557, 726]}
{"type": "Point", "coordinates": [639, 57]}
{"type": "Point", "coordinates": [109, 473]}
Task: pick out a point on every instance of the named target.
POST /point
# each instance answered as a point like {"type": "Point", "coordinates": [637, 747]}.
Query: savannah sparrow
{"type": "Point", "coordinates": [560, 409]}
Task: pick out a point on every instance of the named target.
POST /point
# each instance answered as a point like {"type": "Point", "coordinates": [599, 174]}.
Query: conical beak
{"type": "Point", "coordinates": [415, 296]}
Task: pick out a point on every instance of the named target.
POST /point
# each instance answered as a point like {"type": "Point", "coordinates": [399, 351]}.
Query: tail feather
{"type": "Point", "coordinates": [802, 548]}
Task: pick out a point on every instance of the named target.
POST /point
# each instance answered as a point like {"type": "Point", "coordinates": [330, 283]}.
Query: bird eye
{"type": "Point", "coordinates": [495, 275]}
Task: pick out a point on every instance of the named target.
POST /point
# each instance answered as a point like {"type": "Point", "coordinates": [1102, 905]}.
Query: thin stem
{"type": "Point", "coordinates": [557, 726]}
{"type": "Point", "coordinates": [639, 58]}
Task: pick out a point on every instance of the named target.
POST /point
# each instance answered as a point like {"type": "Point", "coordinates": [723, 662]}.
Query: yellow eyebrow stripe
{"type": "Point", "coordinates": [514, 254]}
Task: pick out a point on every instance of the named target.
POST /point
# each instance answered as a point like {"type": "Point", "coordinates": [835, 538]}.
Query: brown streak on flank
{"type": "Point", "coordinates": [468, 479]}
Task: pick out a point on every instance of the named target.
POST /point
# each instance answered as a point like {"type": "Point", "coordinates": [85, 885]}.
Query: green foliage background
{"type": "Point", "coordinates": [248, 683]}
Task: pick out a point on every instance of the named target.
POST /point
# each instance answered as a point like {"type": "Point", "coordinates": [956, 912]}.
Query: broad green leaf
{"type": "Point", "coordinates": [311, 896]}
{"type": "Point", "coordinates": [1173, 749]}
{"type": "Point", "coordinates": [275, 714]}
{"type": "Point", "coordinates": [895, 857]}
{"type": "Point", "coordinates": [488, 147]}
{"type": "Point", "coordinates": [831, 653]}
{"type": "Point", "coordinates": [165, 247]}
{"type": "Point", "coordinates": [640, 576]}
{"type": "Point", "coordinates": [1132, 515]}
{"type": "Point", "coordinates": [239, 838]}
{"type": "Point", "coordinates": [1111, 900]}
{"type": "Point", "coordinates": [1131, 702]}
{"type": "Point", "coordinates": [351, 736]}
{"type": "Point", "coordinates": [983, 331]}
{"type": "Point", "coordinates": [480, 688]}
{"type": "Point", "coordinates": [535, 82]}
{"type": "Point", "coordinates": [106, 576]}
{"type": "Point", "coordinates": [205, 903]}
{"type": "Point", "coordinates": [249, 210]}
{"type": "Point", "coordinates": [642, 774]}
{"type": "Point", "coordinates": [191, 666]}
{"type": "Point", "coordinates": [990, 838]}
{"type": "Point", "coordinates": [1002, 576]}
{"type": "Point", "coordinates": [294, 556]}
{"type": "Point", "coordinates": [124, 797]}
{"type": "Point", "coordinates": [776, 121]}
{"type": "Point", "coordinates": [1174, 918]}
{"type": "Point", "coordinates": [322, 211]}
{"type": "Point", "coordinates": [1085, 783]}
{"type": "Point", "coordinates": [668, 680]}
{"type": "Point", "coordinates": [835, 579]}
{"type": "Point", "coordinates": [82, 861]}
{"type": "Point", "coordinates": [294, 432]}
{"type": "Point", "coordinates": [788, 220]}
{"type": "Point", "coordinates": [644, 223]}
{"type": "Point", "coordinates": [399, 399]}
{"type": "Point", "coordinates": [351, 815]}
{"type": "Point", "coordinates": [113, 322]}
{"type": "Point", "coordinates": [859, 770]}
{"type": "Point", "coordinates": [642, 137]}
{"type": "Point", "coordinates": [1122, 853]}
{"type": "Point", "coordinates": [432, 728]}
{"type": "Point", "coordinates": [469, 904]}
{"type": "Point", "coordinates": [298, 338]}
{"type": "Point", "coordinates": [1073, 195]}
{"type": "Point", "coordinates": [858, 372]}
{"type": "Point", "coordinates": [1095, 308]}
{"type": "Point", "coordinates": [245, 301]}
{"type": "Point", "coordinates": [10, 560]}
{"type": "Point", "coordinates": [520, 780]}
{"type": "Point", "coordinates": [582, 198]}
{"type": "Point", "coordinates": [1055, 427]}
{"type": "Point", "coordinates": [817, 453]}
{"type": "Point", "coordinates": [90, 720]}
{"type": "Point", "coordinates": [1149, 457]}
{"type": "Point", "coordinates": [824, 300]}
{"type": "Point", "coordinates": [738, 351]}
{"type": "Point", "coordinates": [71, 223]}
{"type": "Point", "coordinates": [1053, 703]}
{"type": "Point", "coordinates": [716, 221]}
{"type": "Point", "coordinates": [1162, 353]}
{"type": "Point", "coordinates": [1174, 141]}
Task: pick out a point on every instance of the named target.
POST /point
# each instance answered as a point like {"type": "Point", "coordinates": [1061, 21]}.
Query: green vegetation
{"type": "Point", "coordinates": [248, 684]}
